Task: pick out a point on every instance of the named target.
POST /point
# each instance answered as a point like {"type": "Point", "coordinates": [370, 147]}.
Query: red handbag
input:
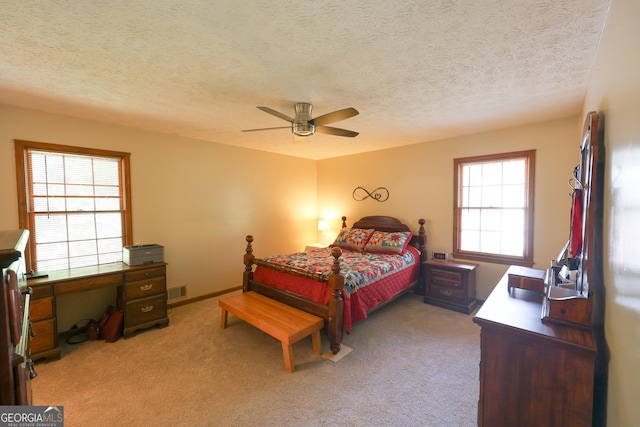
{"type": "Point", "coordinates": [111, 324]}
{"type": "Point", "coordinates": [93, 330]}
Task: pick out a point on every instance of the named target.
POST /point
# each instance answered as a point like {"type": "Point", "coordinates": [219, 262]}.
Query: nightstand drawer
{"type": "Point", "coordinates": [448, 278]}
{"type": "Point", "coordinates": [447, 292]}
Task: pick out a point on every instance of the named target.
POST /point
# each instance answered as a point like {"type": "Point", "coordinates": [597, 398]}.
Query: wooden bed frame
{"type": "Point", "coordinates": [332, 312]}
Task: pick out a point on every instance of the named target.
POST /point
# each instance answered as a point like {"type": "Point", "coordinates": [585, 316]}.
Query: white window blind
{"type": "Point", "coordinates": [75, 208]}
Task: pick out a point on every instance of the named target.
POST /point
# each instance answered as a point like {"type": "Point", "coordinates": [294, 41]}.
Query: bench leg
{"type": "Point", "coordinates": [288, 357]}
{"type": "Point", "coordinates": [317, 344]}
{"type": "Point", "coordinates": [223, 318]}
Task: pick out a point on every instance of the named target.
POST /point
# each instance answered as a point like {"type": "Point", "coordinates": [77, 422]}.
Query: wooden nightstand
{"type": "Point", "coordinates": [450, 284]}
{"type": "Point", "coordinates": [318, 245]}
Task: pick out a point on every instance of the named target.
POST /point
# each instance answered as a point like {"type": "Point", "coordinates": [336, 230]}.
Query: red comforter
{"type": "Point", "coordinates": [369, 278]}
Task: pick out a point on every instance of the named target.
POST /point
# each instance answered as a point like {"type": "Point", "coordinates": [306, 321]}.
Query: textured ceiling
{"type": "Point", "coordinates": [416, 70]}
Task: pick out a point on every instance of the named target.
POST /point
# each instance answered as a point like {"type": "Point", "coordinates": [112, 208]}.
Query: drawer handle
{"type": "Point", "coordinates": [446, 293]}
{"type": "Point", "coordinates": [32, 371]}
{"type": "Point", "coordinates": [147, 309]}
{"type": "Point", "coordinates": [146, 287]}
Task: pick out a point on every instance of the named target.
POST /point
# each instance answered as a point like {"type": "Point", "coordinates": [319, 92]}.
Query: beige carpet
{"type": "Point", "coordinates": [411, 364]}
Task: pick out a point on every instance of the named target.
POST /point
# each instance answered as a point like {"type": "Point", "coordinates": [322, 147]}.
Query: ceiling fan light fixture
{"type": "Point", "coordinates": [303, 128]}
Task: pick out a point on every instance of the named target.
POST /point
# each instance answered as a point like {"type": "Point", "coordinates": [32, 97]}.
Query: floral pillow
{"type": "Point", "coordinates": [388, 243]}
{"type": "Point", "coordinates": [353, 238]}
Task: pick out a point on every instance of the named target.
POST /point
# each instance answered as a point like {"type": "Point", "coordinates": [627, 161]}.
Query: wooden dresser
{"type": "Point", "coordinates": [142, 291]}
{"type": "Point", "coordinates": [16, 368]}
{"type": "Point", "coordinates": [544, 355]}
{"type": "Point", "coordinates": [532, 373]}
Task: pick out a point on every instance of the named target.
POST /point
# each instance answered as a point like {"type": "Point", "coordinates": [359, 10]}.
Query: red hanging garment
{"type": "Point", "coordinates": [576, 224]}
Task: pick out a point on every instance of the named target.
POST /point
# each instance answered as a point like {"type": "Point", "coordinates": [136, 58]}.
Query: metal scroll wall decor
{"type": "Point", "coordinates": [380, 194]}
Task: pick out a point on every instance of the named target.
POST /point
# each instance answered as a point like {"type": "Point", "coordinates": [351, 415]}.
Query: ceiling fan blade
{"type": "Point", "coordinates": [276, 113]}
{"type": "Point", "coordinates": [336, 131]}
{"type": "Point", "coordinates": [336, 116]}
{"type": "Point", "coordinates": [254, 130]}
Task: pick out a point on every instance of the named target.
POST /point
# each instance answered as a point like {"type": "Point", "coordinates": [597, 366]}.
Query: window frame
{"type": "Point", "coordinates": [527, 258]}
{"type": "Point", "coordinates": [23, 185]}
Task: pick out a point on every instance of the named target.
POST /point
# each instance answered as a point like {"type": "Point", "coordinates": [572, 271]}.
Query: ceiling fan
{"type": "Point", "coordinates": [303, 125]}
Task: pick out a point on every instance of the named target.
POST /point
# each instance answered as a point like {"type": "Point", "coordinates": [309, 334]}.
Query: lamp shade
{"type": "Point", "coordinates": [323, 225]}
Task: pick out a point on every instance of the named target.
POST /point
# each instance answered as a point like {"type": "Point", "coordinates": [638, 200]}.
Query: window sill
{"type": "Point", "coordinates": [494, 259]}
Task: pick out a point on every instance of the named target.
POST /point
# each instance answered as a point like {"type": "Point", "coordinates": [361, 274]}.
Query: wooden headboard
{"type": "Point", "coordinates": [381, 223]}
{"type": "Point", "coordinates": [391, 224]}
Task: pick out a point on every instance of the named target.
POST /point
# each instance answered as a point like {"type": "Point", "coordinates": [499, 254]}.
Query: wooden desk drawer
{"type": "Point", "coordinates": [86, 284]}
{"type": "Point", "coordinates": [145, 310]}
{"type": "Point", "coordinates": [41, 308]}
{"type": "Point", "coordinates": [41, 291]}
{"type": "Point", "coordinates": [446, 278]}
{"type": "Point", "coordinates": [147, 273]}
{"type": "Point", "coordinates": [45, 338]}
{"type": "Point", "coordinates": [145, 288]}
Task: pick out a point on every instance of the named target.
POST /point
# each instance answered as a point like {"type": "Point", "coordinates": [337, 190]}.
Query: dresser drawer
{"type": "Point", "coordinates": [41, 308]}
{"type": "Point", "coordinates": [145, 288]}
{"type": "Point", "coordinates": [535, 284]}
{"type": "Point", "coordinates": [147, 273]}
{"type": "Point", "coordinates": [145, 310]}
{"type": "Point", "coordinates": [45, 339]}
{"type": "Point", "coordinates": [446, 278]}
{"type": "Point", "coordinates": [86, 284]}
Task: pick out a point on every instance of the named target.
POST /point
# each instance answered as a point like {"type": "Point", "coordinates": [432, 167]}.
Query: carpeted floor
{"type": "Point", "coordinates": [411, 364]}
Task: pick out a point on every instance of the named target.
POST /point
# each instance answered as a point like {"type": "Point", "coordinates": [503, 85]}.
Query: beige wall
{"type": "Point", "coordinates": [420, 182]}
{"type": "Point", "coordinates": [615, 91]}
{"type": "Point", "coordinates": [197, 199]}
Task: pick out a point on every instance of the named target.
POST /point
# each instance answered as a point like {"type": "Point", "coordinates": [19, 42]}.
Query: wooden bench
{"type": "Point", "coordinates": [285, 323]}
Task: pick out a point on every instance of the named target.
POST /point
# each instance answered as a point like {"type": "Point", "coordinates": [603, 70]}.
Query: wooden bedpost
{"type": "Point", "coordinates": [423, 240]}
{"type": "Point", "coordinates": [248, 265]}
{"type": "Point", "coordinates": [335, 322]}
{"type": "Point", "coordinates": [421, 289]}
{"type": "Point", "coordinates": [344, 222]}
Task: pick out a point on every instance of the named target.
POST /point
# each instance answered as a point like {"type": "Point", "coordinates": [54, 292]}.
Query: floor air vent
{"type": "Point", "coordinates": [179, 292]}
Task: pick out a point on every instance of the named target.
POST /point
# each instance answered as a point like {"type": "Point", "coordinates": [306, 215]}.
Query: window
{"type": "Point", "coordinates": [493, 218]}
{"type": "Point", "coordinates": [75, 202]}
